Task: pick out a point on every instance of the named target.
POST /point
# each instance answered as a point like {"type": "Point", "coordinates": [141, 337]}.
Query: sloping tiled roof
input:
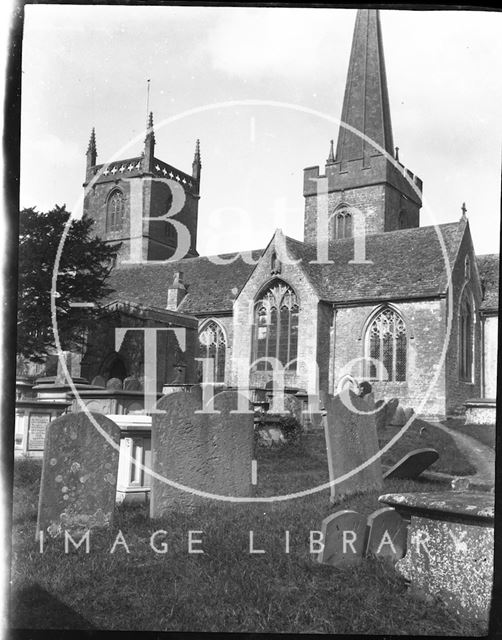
{"type": "Point", "coordinates": [211, 288]}
{"type": "Point", "coordinates": [488, 267]}
{"type": "Point", "coordinates": [406, 264]}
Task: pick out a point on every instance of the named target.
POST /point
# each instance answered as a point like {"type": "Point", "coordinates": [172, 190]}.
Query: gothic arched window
{"type": "Point", "coordinates": [465, 329]}
{"type": "Point", "coordinates": [115, 211]}
{"type": "Point", "coordinates": [212, 344]}
{"type": "Point", "coordinates": [275, 332]}
{"type": "Point", "coordinates": [343, 225]}
{"type": "Point", "coordinates": [386, 343]}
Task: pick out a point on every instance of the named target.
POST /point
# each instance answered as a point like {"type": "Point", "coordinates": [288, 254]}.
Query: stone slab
{"type": "Point", "coordinates": [344, 537]}
{"type": "Point", "coordinates": [210, 453]}
{"type": "Point", "coordinates": [399, 418]}
{"type": "Point", "coordinates": [413, 464]}
{"type": "Point", "coordinates": [79, 474]}
{"type": "Point", "coordinates": [476, 507]}
{"type": "Point", "coordinates": [387, 532]}
{"type": "Point", "coordinates": [351, 440]}
{"type": "Point", "coordinates": [452, 561]}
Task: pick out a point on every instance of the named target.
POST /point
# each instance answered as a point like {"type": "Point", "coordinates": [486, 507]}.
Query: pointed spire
{"type": "Point", "coordinates": [196, 164]}
{"type": "Point", "coordinates": [91, 154]}
{"type": "Point", "coordinates": [366, 100]}
{"type": "Point", "coordinates": [148, 153]}
{"type": "Point", "coordinates": [331, 157]}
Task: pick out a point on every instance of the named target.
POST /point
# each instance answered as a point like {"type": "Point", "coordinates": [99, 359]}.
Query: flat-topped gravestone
{"type": "Point", "coordinates": [413, 464]}
{"type": "Point", "coordinates": [351, 440]}
{"type": "Point", "coordinates": [209, 452]}
{"type": "Point", "coordinates": [79, 474]}
{"type": "Point", "coordinates": [449, 547]}
{"type": "Point", "coordinates": [386, 410]}
{"type": "Point", "coordinates": [132, 384]}
{"type": "Point", "coordinates": [344, 537]}
{"type": "Point", "coordinates": [387, 533]}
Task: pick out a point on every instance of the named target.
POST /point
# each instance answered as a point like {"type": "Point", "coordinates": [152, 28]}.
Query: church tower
{"type": "Point", "coordinates": [358, 176]}
{"type": "Point", "coordinates": [125, 192]}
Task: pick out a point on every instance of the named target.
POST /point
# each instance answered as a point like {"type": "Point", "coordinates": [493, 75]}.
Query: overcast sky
{"type": "Point", "coordinates": [86, 66]}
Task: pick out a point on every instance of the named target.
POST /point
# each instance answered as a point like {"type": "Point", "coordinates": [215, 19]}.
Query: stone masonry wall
{"type": "Point", "coordinates": [424, 324]}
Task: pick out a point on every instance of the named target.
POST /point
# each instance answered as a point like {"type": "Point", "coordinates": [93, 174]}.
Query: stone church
{"type": "Point", "coordinates": [368, 292]}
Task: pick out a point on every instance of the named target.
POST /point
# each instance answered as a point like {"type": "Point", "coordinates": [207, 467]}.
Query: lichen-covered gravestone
{"type": "Point", "coordinates": [387, 532]}
{"type": "Point", "coordinates": [351, 440]}
{"type": "Point", "coordinates": [79, 474]}
{"type": "Point", "coordinates": [344, 538]}
{"type": "Point", "coordinates": [209, 452]}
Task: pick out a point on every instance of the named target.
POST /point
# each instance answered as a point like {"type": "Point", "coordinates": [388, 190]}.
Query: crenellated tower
{"type": "Point", "coordinates": [125, 192]}
{"type": "Point", "coordinates": [359, 175]}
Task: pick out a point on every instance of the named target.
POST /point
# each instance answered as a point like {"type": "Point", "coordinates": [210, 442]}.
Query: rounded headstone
{"type": "Point", "coordinates": [114, 384]}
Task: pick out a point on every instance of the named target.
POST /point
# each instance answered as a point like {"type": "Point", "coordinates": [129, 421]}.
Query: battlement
{"type": "Point", "coordinates": [133, 168]}
{"type": "Point", "coordinates": [354, 174]}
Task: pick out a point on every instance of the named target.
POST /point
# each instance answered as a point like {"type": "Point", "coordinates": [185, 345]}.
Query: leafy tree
{"type": "Point", "coordinates": [84, 267]}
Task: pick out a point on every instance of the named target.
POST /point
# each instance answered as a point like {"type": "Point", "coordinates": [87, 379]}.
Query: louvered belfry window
{"type": "Point", "coordinates": [212, 344]}
{"type": "Point", "coordinates": [343, 225]}
{"type": "Point", "coordinates": [115, 212]}
{"type": "Point", "coordinates": [276, 327]}
{"type": "Point", "coordinates": [386, 342]}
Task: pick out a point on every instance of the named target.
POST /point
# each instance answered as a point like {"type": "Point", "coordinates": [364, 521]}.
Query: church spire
{"type": "Point", "coordinates": [366, 100]}
{"type": "Point", "coordinates": [91, 155]}
{"type": "Point", "coordinates": [149, 145]}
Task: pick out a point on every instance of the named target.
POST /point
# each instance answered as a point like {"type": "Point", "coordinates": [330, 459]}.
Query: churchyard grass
{"type": "Point", "coordinates": [226, 588]}
{"type": "Point", "coordinates": [485, 433]}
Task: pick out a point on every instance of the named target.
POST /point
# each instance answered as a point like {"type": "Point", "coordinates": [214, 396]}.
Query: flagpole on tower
{"type": "Point", "coordinates": [147, 98]}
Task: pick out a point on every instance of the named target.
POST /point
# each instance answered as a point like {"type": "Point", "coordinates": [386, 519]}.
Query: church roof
{"type": "Point", "coordinates": [211, 288]}
{"type": "Point", "coordinates": [488, 267]}
{"type": "Point", "coordinates": [406, 264]}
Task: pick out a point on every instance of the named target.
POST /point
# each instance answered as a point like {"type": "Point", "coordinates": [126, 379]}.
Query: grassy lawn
{"type": "Point", "coordinates": [226, 588]}
{"type": "Point", "coordinates": [484, 433]}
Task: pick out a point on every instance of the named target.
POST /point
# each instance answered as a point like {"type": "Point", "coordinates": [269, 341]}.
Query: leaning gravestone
{"type": "Point", "coordinates": [351, 439]}
{"type": "Point", "coordinates": [344, 538]}
{"type": "Point", "coordinates": [387, 534]}
{"type": "Point", "coordinates": [79, 474]}
{"type": "Point", "coordinates": [209, 452]}
{"type": "Point", "coordinates": [413, 464]}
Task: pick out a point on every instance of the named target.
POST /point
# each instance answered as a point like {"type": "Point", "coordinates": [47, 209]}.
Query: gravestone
{"type": "Point", "coordinates": [344, 538]}
{"type": "Point", "coordinates": [408, 412]}
{"type": "Point", "coordinates": [399, 417]}
{"type": "Point", "coordinates": [386, 411]}
{"type": "Point", "coordinates": [132, 384]}
{"type": "Point", "coordinates": [387, 532]}
{"type": "Point", "coordinates": [351, 439]}
{"type": "Point", "coordinates": [114, 383]}
{"type": "Point", "coordinates": [413, 464]}
{"type": "Point", "coordinates": [79, 474]}
{"type": "Point", "coordinates": [209, 452]}
{"type": "Point", "coordinates": [99, 381]}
